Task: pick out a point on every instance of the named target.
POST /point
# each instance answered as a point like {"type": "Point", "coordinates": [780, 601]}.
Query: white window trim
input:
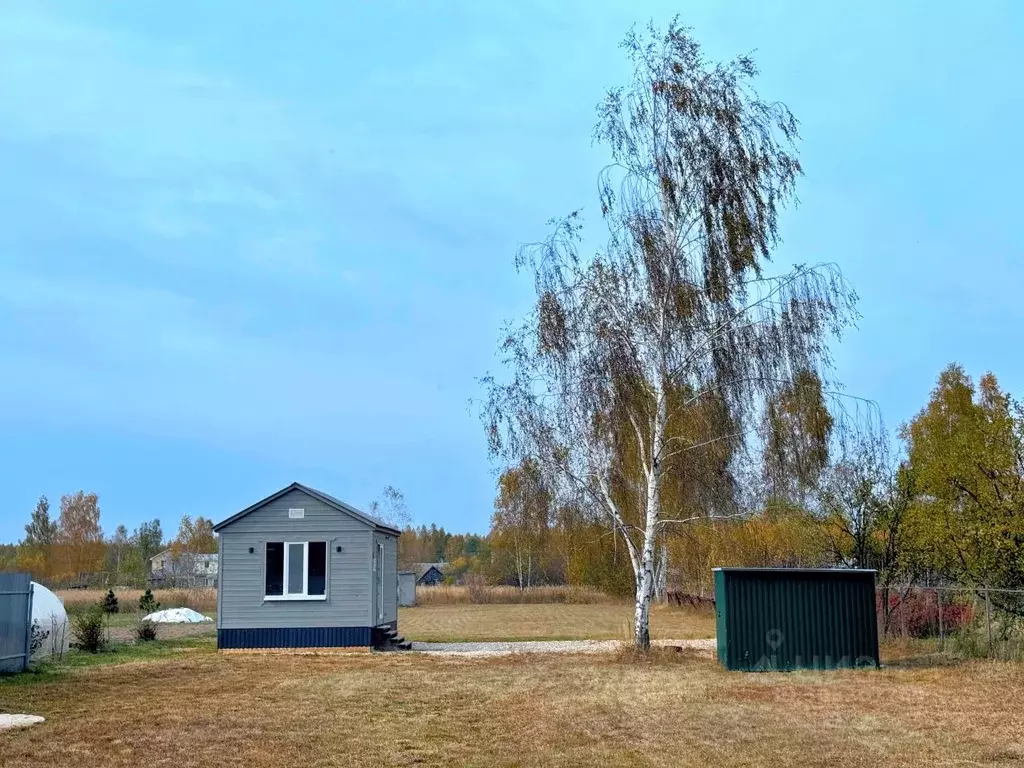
{"type": "Point", "coordinates": [379, 577]}
{"type": "Point", "coordinates": [304, 596]}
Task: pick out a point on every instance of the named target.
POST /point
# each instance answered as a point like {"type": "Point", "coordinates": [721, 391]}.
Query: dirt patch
{"type": "Point", "coordinates": [126, 634]}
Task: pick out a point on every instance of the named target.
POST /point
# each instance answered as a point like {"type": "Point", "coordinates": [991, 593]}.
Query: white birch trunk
{"type": "Point", "coordinates": [644, 591]}
{"type": "Point", "coordinates": [645, 571]}
{"type": "Point", "coordinates": [661, 573]}
{"type": "Point", "coordinates": [519, 562]}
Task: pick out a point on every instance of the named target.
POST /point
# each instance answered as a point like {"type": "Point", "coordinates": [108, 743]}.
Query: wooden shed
{"type": "Point", "coordinates": [301, 569]}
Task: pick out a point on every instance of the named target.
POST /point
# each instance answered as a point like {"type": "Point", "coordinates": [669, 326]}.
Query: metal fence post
{"type": "Point", "coordinates": [28, 626]}
{"type": "Point", "coordinates": [988, 620]}
{"type": "Point", "coordinates": [942, 631]}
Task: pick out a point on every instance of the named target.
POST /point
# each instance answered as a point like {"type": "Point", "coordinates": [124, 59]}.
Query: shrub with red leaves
{"type": "Point", "coordinates": [917, 613]}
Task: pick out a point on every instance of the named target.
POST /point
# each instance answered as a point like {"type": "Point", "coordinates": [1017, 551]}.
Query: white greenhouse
{"type": "Point", "coordinates": [50, 631]}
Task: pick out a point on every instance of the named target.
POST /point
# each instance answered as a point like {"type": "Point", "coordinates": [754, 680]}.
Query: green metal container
{"type": "Point", "coordinates": [771, 619]}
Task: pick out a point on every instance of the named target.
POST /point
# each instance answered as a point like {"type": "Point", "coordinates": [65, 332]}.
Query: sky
{"type": "Point", "coordinates": [248, 242]}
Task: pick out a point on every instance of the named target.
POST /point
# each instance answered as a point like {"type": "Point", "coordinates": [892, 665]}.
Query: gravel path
{"type": "Point", "coordinates": [547, 646]}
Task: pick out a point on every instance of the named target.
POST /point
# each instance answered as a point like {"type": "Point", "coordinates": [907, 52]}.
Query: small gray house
{"type": "Point", "coordinates": [429, 574]}
{"type": "Point", "coordinates": [301, 569]}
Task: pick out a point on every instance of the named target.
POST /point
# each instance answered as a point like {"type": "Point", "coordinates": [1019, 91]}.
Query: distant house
{"type": "Point", "coordinates": [429, 574]}
{"type": "Point", "coordinates": [182, 569]}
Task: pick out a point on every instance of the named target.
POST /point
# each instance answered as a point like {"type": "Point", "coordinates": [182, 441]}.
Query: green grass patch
{"type": "Point", "coordinates": [117, 653]}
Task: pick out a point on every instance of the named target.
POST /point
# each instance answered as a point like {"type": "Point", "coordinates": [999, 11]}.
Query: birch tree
{"type": "Point", "coordinates": [79, 538]}
{"type": "Point", "coordinates": [117, 551]}
{"type": "Point", "coordinates": [521, 519]}
{"type": "Point", "coordinates": [797, 430]}
{"type": "Point", "coordinates": [391, 508]}
{"type": "Point", "coordinates": [195, 538]}
{"type": "Point", "coordinates": [665, 344]}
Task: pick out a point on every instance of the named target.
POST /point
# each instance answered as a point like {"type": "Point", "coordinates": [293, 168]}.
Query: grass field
{"type": "Point", "coordinates": [122, 626]}
{"type": "Point", "coordinates": [608, 621]}
{"type": "Point", "coordinates": [178, 702]}
{"type": "Point", "coordinates": [202, 600]}
{"type": "Point", "coordinates": [458, 594]}
{"type": "Point", "coordinates": [183, 705]}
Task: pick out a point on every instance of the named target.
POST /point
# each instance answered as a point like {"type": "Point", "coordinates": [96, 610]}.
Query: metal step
{"type": "Point", "coordinates": [388, 639]}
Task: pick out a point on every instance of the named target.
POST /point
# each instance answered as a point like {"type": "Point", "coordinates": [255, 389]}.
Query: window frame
{"type": "Point", "coordinates": [304, 595]}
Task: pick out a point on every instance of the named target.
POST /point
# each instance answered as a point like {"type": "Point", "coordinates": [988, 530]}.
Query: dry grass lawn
{"type": "Point", "coordinates": [182, 704]}
{"type": "Point", "coordinates": [200, 708]}
{"type": "Point", "coordinates": [449, 594]}
{"type": "Point", "coordinates": [203, 600]}
{"type": "Point", "coordinates": [608, 621]}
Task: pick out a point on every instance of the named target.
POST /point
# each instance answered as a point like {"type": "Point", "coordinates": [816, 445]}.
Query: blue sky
{"type": "Point", "coordinates": [245, 243]}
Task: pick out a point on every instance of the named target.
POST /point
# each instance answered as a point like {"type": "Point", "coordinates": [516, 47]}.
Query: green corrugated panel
{"type": "Point", "coordinates": [721, 630]}
{"type": "Point", "coordinates": [789, 618]}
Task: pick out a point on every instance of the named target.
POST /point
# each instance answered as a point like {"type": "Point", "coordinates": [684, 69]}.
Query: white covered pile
{"type": "Point", "coordinates": [19, 721]}
{"type": "Point", "coordinates": [177, 616]}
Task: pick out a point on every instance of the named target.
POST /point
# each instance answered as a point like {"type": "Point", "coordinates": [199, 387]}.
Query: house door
{"type": "Point", "coordinates": [378, 579]}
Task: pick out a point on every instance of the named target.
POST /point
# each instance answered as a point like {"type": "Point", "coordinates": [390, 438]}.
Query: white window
{"type": "Point", "coordinates": [296, 570]}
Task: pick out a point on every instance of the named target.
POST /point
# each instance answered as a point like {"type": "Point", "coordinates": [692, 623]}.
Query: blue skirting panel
{"type": "Point", "coordinates": [294, 637]}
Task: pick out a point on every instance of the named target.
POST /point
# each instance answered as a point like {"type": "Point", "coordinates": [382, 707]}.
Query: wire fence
{"type": "Point", "coordinates": [946, 618]}
{"type": "Point", "coordinates": [976, 621]}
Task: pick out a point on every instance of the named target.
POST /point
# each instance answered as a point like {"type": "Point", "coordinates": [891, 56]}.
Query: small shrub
{"type": "Point", "coordinates": [110, 602]}
{"type": "Point", "coordinates": [1007, 639]}
{"type": "Point", "coordinates": [88, 631]}
{"type": "Point", "coordinates": [146, 631]}
{"type": "Point", "coordinates": [476, 590]}
{"type": "Point", "coordinates": [37, 638]}
{"type": "Point", "coordinates": [917, 613]}
{"type": "Point", "coordinates": [148, 603]}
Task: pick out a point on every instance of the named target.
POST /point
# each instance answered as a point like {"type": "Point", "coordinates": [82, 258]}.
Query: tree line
{"type": "Point", "coordinates": [947, 504]}
{"type": "Point", "coordinates": [942, 502]}
{"type": "Point", "coordinates": [71, 549]}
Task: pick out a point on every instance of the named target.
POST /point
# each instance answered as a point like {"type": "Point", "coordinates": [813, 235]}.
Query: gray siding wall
{"type": "Point", "coordinates": [390, 585]}
{"type": "Point", "coordinates": [349, 586]}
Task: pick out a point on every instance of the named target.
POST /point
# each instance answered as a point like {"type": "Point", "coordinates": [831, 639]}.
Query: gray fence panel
{"type": "Point", "coordinates": [15, 621]}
